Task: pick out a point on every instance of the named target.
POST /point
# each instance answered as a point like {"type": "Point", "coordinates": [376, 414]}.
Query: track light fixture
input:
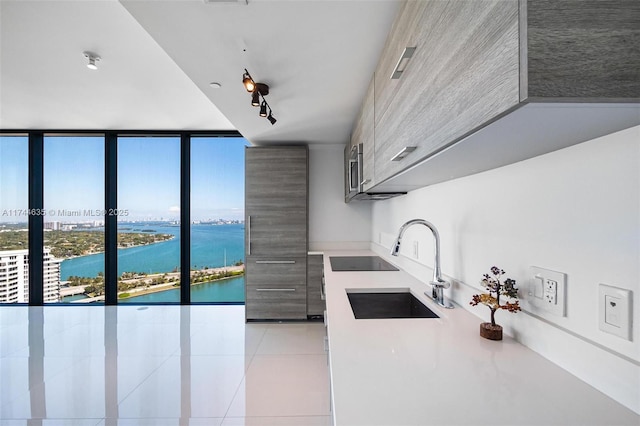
{"type": "Point", "coordinates": [258, 90]}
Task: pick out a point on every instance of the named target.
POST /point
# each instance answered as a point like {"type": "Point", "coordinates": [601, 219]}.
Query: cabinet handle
{"type": "Point", "coordinates": [366, 181]}
{"type": "Point", "coordinates": [403, 153]}
{"type": "Point", "coordinates": [407, 53]}
{"type": "Point", "coordinates": [275, 262]}
{"type": "Point", "coordinates": [323, 295]}
{"type": "Point", "coordinates": [354, 152]}
{"type": "Point", "coordinates": [275, 289]}
{"type": "Point", "coordinates": [249, 235]}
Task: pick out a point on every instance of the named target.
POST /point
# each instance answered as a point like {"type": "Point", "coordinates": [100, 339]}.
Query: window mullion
{"type": "Point", "coordinates": [36, 218]}
{"type": "Point", "coordinates": [185, 218]}
{"type": "Point", "coordinates": [111, 221]}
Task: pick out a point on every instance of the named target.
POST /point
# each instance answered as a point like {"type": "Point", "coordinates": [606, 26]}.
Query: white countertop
{"type": "Point", "coordinates": [440, 371]}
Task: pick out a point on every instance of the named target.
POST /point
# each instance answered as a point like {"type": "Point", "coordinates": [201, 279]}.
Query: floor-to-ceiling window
{"type": "Point", "coordinates": [14, 215]}
{"type": "Point", "coordinates": [73, 267]}
{"type": "Point", "coordinates": [111, 209]}
{"type": "Point", "coordinates": [217, 219]}
{"type": "Point", "coordinates": [148, 219]}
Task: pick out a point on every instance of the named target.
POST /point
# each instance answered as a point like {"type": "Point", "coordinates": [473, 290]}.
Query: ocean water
{"type": "Point", "coordinates": [211, 245]}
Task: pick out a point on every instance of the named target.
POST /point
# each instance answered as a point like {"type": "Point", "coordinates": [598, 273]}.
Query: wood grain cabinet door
{"type": "Point", "coordinates": [580, 50]}
{"type": "Point", "coordinates": [463, 73]}
{"type": "Point", "coordinates": [366, 126]}
{"type": "Point", "coordinates": [403, 34]}
{"type": "Point", "coordinates": [276, 201]}
{"type": "Point", "coordinates": [276, 288]}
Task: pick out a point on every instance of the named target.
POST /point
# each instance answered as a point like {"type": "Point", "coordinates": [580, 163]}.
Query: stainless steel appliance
{"type": "Point", "coordinates": [354, 179]}
{"type": "Point", "coordinates": [354, 170]}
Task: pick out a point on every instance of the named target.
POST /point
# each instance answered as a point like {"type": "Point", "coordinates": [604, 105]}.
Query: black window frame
{"type": "Point", "coordinates": [36, 201]}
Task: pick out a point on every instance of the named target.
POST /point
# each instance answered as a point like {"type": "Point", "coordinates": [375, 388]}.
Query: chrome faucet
{"type": "Point", "coordinates": [438, 284]}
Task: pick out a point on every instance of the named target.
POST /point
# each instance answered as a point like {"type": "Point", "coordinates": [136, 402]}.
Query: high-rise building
{"type": "Point", "coordinates": [14, 276]}
{"type": "Point", "coordinates": [52, 226]}
{"type": "Point", "coordinates": [51, 277]}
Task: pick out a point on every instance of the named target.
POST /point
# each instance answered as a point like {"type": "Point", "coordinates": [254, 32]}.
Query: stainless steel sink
{"type": "Point", "coordinates": [379, 304]}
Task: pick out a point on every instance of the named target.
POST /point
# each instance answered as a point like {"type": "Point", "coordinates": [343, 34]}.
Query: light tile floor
{"type": "Point", "coordinates": [159, 365]}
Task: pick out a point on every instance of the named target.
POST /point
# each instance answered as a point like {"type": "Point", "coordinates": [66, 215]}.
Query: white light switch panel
{"type": "Point", "coordinates": [546, 291]}
{"type": "Point", "coordinates": [614, 310]}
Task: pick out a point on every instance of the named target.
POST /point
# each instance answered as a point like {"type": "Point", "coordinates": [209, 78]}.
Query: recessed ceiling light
{"type": "Point", "coordinates": [215, 85]}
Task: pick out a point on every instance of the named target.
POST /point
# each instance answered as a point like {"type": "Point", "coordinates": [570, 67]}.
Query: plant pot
{"type": "Point", "coordinates": [491, 332]}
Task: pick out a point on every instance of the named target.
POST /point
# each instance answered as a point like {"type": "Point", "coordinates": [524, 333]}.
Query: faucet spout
{"type": "Point", "coordinates": [437, 282]}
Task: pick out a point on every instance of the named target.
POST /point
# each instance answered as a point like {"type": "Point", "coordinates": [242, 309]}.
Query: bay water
{"type": "Point", "coordinates": [212, 246]}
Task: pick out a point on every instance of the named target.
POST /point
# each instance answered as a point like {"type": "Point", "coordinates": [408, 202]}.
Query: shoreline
{"type": "Point", "coordinates": [149, 288]}
{"type": "Point", "coordinates": [119, 248]}
{"type": "Point", "coordinates": [147, 291]}
{"type": "Point", "coordinates": [173, 287]}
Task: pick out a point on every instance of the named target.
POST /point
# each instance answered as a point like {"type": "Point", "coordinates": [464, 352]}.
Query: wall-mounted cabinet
{"type": "Point", "coordinates": [463, 73]}
{"type": "Point", "coordinates": [492, 82]}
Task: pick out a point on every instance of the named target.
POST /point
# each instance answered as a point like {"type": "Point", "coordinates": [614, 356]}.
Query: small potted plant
{"type": "Point", "coordinates": [496, 288]}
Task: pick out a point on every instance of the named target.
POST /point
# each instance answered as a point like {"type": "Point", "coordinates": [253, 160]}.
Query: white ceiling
{"type": "Point", "coordinates": [158, 58]}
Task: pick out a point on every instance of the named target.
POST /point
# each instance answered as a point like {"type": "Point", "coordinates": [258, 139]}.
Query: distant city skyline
{"type": "Point", "coordinates": [148, 178]}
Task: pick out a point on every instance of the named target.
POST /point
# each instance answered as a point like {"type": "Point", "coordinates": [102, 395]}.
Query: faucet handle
{"type": "Point", "coordinates": [437, 293]}
{"type": "Point", "coordinates": [440, 283]}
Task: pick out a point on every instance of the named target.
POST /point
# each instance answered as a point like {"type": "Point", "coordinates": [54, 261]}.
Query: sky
{"type": "Point", "coordinates": [148, 178]}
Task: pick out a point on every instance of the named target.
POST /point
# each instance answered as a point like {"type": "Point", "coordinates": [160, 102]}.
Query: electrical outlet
{"type": "Point", "coordinates": [551, 291]}
{"type": "Point", "coordinates": [546, 291]}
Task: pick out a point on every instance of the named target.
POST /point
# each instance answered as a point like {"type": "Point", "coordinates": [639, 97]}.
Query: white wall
{"type": "Point", "coordinates": [332, 223]}
{"type": "Point", "coordinates": [576, 211]}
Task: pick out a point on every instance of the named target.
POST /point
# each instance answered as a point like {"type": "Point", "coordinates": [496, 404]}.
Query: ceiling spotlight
{"type": "Point", "coordinates": [248, 82]}
{"type": "Point", "coordinates": [255, 99]}
{"type": "Point", "coordinates": [93, 58]}
{"type": "Point", "coordinates": [258, 90]}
